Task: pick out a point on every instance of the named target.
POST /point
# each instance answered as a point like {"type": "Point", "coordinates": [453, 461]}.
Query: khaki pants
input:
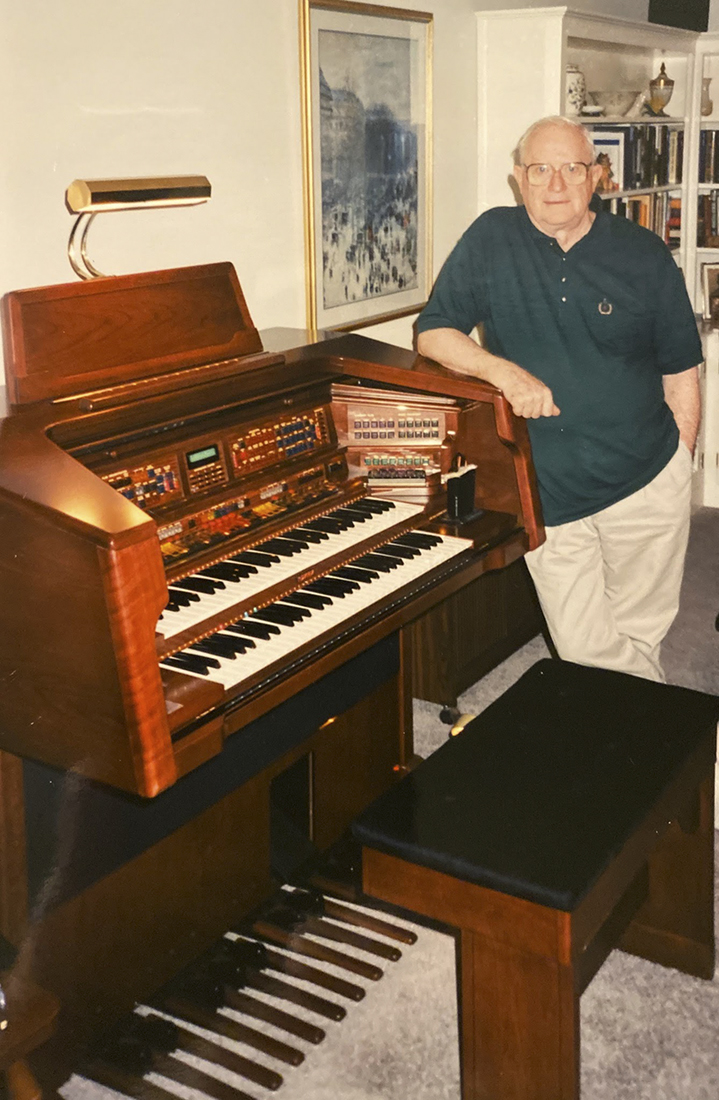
{"type": "Point", "coordinates": [609, 584]}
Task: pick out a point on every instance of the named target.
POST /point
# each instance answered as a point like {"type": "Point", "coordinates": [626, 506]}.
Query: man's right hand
{"type": "Point", "coordinates": [528, 396]}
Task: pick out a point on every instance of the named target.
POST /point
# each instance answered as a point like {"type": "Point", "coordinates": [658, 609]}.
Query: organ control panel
{"type": "Point", "coordinates": [198, 468]}
{"type": "Point", "coordinates": [401, 442]}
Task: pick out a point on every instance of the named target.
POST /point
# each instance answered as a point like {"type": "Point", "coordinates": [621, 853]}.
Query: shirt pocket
{"type": "Point", "coordinates": [621, 330]}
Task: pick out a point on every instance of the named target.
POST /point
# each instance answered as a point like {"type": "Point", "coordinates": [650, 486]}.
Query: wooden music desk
{"type": "Point", "coordinates": [576, 814]}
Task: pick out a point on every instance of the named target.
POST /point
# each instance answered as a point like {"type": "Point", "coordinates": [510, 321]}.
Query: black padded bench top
{"type": "Point", "coordinates": [539, 793]}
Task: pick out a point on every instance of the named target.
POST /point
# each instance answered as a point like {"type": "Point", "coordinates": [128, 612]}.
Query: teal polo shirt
{"type": "Point", "coordinates": [599, 324]}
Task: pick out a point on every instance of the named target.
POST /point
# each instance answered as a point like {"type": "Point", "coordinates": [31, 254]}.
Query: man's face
{"type": "Point", "coordinates": [556, 206]}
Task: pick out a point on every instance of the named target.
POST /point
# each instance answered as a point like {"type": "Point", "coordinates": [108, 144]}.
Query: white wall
{"type": "Point", "coordinates": [166, 87]}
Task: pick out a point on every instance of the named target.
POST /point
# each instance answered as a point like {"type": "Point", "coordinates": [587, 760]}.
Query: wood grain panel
{"type": "Point", "coordinates": [81, 336]}
{"type": "Point", "coordinates": [135, 594]}
{"type": "Point", "coordinates": [503, 917]}
{"type": "Point", "coordinates": [520, 1024]}
{"type": "Point", "coordinates": [363, 748]}
{"type": "Point", "coordinates": [470, 632]}
{"type": "Point", "coordinates": [63, 701]}
{"type": "Point", "coordinates": [13, 871]}
{"type": "Point", "coordinates": [130, 932]}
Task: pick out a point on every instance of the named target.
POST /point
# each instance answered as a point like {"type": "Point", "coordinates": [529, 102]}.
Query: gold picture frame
{"type": "Point", "coordinates": [366, 76]}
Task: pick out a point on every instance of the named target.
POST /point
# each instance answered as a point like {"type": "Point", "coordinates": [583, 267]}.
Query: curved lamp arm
{"type": "Point", "coordinates": [82, 266]}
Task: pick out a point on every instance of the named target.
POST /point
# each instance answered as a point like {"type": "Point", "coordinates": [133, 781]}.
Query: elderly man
{"type": "Point", "coordinates": [589, 333]}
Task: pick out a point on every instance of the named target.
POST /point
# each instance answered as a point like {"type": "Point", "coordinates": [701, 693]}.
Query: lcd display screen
{"type": "Point", "coordinates": [195, 459]}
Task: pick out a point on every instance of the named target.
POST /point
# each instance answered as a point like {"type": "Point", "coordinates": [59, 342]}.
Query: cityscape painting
{"type": "Point", "coordinates": [367, 141]}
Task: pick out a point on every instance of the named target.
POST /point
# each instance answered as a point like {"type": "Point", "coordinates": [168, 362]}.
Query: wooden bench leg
{"type": "Point", "coordinates": [519, 1037]}
{"type": "Point", "coordinates": [675, 926]}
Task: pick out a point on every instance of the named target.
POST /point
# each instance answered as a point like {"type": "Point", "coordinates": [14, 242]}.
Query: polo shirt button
{"type": "Point", "coordinates": [564, 299]}
{"type": "Point", "coordinates": [564, 278]}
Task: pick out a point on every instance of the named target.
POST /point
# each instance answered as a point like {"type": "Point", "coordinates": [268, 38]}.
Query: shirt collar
{"type": "Point", "coordinates": [597, 228]}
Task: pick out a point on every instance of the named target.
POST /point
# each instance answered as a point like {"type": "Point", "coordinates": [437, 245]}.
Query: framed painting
{"type": "Point", "coordinates": [609, 150]}
{"type": "Point", "coordinates": [367, 139]}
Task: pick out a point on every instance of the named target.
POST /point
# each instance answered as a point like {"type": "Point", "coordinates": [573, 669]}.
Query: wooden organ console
{"type": "Point", "coordinates": [205, 613]}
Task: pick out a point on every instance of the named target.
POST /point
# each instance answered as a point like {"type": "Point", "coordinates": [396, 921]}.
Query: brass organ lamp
{"type": "Point", "coordinates": [87, 198]}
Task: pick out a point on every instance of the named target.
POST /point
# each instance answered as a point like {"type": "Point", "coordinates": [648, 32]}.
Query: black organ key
{"type": "Point", "coordinates": [306, 535]}
{"type": "Point", "coordinates": [410, 551]}
{"type": "Point", "coordinates": [421, 539]}
{"type": "Point", "coordinates": [298, 613]}
{"type": "Point", "coordinates": [216, 647]}
{"type": "Point", "coordinates": [337, 574]}
{"type": "Point", "coordinates": [349, 573]}
{"type": "Point", "coordinates": [254, 557]}
{"type": "Point", "coordinates": [377, 561]}
{"type": "Point", "coordinates": [400, 551]}
{"type": "Point", "coordinates": [239, 644]}
{"type": "Point", "coordinates": [184, 599]}
{"type": "Point", "coordinates": [202, 655]}
{"type": "Point", "coordinates": [275, 613]}
{"type": "Point", "coordinates": [386, 552]}
{"type": "Point", "coordinates": [354, 515]}
{"type": "Point", "coordinates": [340, 516]}
{"type": "Point", "coordinates": [294, 539]}
{"type": "Point", "coordinates": [228, 571]}
{"type": "Point", "coordinates": [324, 523]}
{"type": "Point", "coordinates": [326, 586]}
{"type": "Point", "coordinates": [307, 599]}
{"type": "Point", "coordinates": [247, 629]}
{"type": "Point", "coordinates": [313, 534]}
{"type": "Point", "coordinates": [189, 662]}
{"type": "Point", "coordinates": [372, 504]}
{"type": "Point", "coordinates": [280, 546]}
{"type": "Point", "coordinates": [199, 584]}
{"type": "Point", "coordinates": [316, 594]}
{"type": "Point", "coordinates": [345, 585]}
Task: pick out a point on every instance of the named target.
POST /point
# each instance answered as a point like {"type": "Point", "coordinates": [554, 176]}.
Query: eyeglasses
{"type": "Point", "coordinates": [573, 173]}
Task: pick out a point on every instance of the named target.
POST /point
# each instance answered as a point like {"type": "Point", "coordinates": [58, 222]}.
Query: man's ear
{"type": "Point", "coordinates": [596, 174]}
{"type": "Point", "coordinates": [517, 173]}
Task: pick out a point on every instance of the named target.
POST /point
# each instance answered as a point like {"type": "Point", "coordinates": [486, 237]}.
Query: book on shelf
{"type": "Point", "coordinates": [646, 155]}
{"type": "Point", "coordinates": [661, 212]}
{"type": "Point", "coordinates": [708, 221]}
{"type": "Point", "coordinates": [708, 156]}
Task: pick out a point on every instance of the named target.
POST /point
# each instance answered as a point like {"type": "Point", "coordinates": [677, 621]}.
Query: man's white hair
{"type": "Point", "coordinates": [554, 120]}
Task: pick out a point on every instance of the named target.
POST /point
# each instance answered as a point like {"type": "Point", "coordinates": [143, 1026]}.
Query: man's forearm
{"type": "Point", "coordinates": [453, 349]}
{"type": "Point", "coordinates": [681, 393]}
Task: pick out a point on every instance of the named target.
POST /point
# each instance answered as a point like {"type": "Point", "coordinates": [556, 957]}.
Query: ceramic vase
{"type": "Point", "coordinates": [575, 90]}
{"type": "Point", "coordinates": [707, 103]}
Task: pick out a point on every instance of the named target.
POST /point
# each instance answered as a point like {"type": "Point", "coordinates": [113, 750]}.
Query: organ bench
{"type": "Point", "coordinates": [573, 816]}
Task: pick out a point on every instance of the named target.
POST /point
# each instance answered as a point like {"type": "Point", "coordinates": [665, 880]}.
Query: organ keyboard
{"type": "Point", "coordinates": [186, 553]}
